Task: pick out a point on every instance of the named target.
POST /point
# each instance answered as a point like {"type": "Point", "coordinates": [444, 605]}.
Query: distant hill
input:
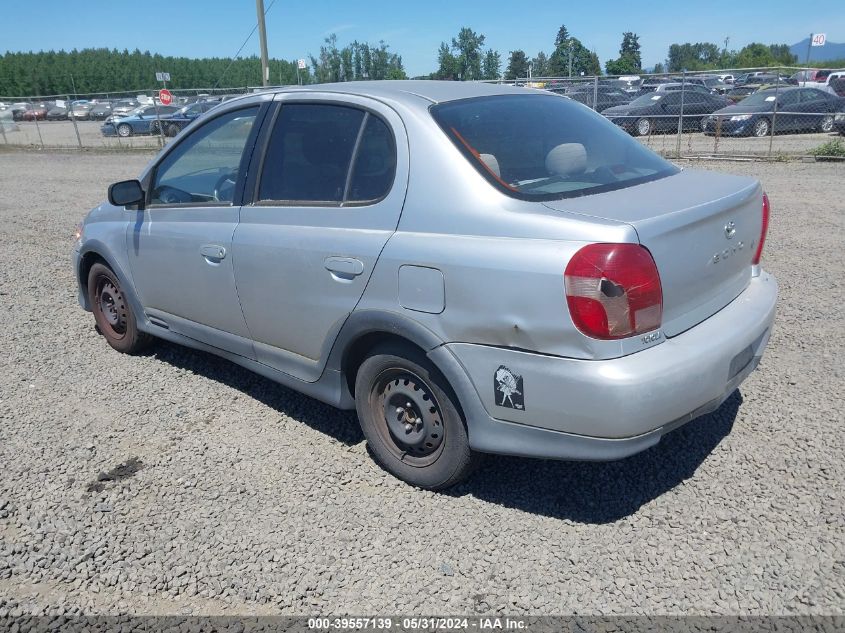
{"type": "Point", "coordinates": [831, 50]}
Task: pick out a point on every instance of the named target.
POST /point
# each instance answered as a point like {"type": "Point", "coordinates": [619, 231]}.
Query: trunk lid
{"type": "Point", "coordinates": [702, 229]}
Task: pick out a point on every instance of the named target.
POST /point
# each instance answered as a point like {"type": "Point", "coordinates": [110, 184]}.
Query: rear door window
{"type": "Point", "coordinates": [327, 154]}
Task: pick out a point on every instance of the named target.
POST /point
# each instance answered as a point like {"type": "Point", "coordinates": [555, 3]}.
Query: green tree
{"type": "Point", "coordinates": [658, 68]}
{"type": "Point", "coordinates": [629, 61]}
{"type": "Point", "coordinates": [517, 65]}
{"type": "Point", "coordinates": [698, 56]}
{"type": "Point", "coordinates": [492, 64]}
{"type": "Point", "coordinates": [540, 65]}
{"type": "Point", "coordinates": [447, 63]}
{"type": "Point", "coordinates": [467, 47]}
{"type": "Point", "coordinates": [571, 53]}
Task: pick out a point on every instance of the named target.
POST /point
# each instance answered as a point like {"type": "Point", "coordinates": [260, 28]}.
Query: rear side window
{"type": "Point", "coordinates": [375, 163]}
{"type": "Point", "coordinates": [310, 152]}
{"type": "Point", "coordinates": [328, 155]}
{"type": "Point", "coordinates": [544, 147]}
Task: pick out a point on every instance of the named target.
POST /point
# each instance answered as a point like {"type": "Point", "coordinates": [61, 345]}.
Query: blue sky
{"type": "Point", "coordinates": [200, 28]}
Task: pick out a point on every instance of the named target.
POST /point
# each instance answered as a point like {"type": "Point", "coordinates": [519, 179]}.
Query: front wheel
{"type": "Point", "coordinates": [112, 312]}
{"type": "Point", "coordinates": [124, 130]}
{"type": "Point", "coordinates": [643, 127]}
{"type": "Point", "coordinates": [411, 418]}
{"type": "Point", "coordinates": [172, 130]}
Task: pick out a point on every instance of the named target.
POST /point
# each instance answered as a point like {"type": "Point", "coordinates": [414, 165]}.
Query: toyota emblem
{"type": "Point", "coordinates": [730, 230]}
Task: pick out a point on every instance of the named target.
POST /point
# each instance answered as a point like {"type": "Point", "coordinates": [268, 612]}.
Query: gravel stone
{"type": "Point", "coordinates": [253, 499]}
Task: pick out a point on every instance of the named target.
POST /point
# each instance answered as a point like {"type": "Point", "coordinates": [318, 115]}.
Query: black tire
{"type": "Point", "coordinates": [424, 444]}
{"type": "Point", "coordinates": [172, 130]}
{"type": "Point", "coordinates": [112, 312]}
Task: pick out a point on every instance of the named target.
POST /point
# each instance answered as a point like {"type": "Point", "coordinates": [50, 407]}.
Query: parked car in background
{"type": "Point", "coordinates": [798, 110]}
{"type": "Point", "coordinates": [830, 78]}
{"type": "Point", "coordinates": [650, 84]}
{"type": "Point", "coordinates": [124, 107]}
{"type": "Point", "coordinates": [57, 113]}
{"type": "Point", "coordinates": [186, 115]}
{"type": "Point", "coordinates": [353, 262]}
{"type": "Point", "coordinates": [839, 121]}
{"type": "Point", "coordinates": [803, 76]}
{"type": "Point", "coordinates": [100, 111]}
{"type": "Point", "coordinates": [837, 86]}
{"type": "Point", "coordinates": [37, 112]}
{"type": "Point", "coordinates": [81, 111]}
{"type": "Point", "coordinates": [142, 120]}
{"type": "Point", "coordinates": [19, 108]}
{"type": "Point", "coordinates": [604, 95]}
{"type": "Point", "coordinates": [661, 111]}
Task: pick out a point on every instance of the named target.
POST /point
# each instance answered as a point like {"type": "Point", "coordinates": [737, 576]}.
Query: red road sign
{"type": "Point", "coordinates": [165, 97]}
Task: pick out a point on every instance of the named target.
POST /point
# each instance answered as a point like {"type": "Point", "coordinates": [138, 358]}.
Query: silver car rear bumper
{"type": "Point", "coordinates": [598, 410]}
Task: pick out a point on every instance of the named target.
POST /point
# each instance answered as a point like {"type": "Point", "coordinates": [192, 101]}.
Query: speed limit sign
{"type": "Point", "coordinates": [818, 39]}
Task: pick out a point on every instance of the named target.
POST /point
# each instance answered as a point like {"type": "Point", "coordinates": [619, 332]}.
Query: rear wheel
{"type": "Point", "coordinates": [411, 420]}
{"type": "Point", "coordinates": [761, 128]}
{"type": "Point", "coordinates": [826, 124]}
{"type": "Point", "coordinates": [112, 312]}
{"type": "Point", "coordinates": [643, 127]}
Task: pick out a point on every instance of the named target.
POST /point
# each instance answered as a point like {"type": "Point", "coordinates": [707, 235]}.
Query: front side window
{"type": "Point", "coordinates": [204, 167]}
{"type": "Point", "coordinates": [540, 147]}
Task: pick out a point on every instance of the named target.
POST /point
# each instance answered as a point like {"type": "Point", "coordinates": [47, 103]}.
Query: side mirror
{"type": "Point", "coordinates": [126, 192]}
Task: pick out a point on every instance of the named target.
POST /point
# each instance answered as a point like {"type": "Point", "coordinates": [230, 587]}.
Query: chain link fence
{"type": "Point", "coordinates": [129, 120]}
{"type": "Point", "coordinates": [747, 112]}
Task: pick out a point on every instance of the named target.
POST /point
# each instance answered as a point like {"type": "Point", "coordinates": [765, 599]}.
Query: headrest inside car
{"type": "Point", "coordinates": [567, 159]}
{"type": "Point", "coordinates": [492, 163]}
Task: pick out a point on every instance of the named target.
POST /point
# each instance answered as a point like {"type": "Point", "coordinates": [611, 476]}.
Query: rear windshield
{"type": "Point", "coordinates": [546, 147]}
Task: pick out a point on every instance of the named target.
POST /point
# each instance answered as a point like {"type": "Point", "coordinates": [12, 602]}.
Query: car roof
{"type": "Point", "coordinates": [411, 91]}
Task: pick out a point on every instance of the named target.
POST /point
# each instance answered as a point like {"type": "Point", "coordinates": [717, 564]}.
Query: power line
{"type": "Point", "coordinates": [248, 37]}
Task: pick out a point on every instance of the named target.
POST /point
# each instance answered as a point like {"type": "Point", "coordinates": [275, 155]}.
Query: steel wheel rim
{"type": "Point", "coordinates": [408, 417]}
{"type": "Point", "coordinates": [111, 306]}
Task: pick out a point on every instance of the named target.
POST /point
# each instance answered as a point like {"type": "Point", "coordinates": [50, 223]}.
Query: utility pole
{"type": "Point", "coordinates": [570, 57]}
{"type": "Point", "coordinates": [809, 48]}
{"type": "Point", "coordinates": [262, 36]}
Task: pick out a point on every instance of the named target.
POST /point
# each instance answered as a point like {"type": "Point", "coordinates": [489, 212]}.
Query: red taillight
{"type": "Point", "coordinates": [763, 231]}
{"type": "Point", "coordinates": [613, 291]}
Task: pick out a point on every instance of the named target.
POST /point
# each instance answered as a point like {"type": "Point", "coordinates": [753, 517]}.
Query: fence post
{"type": "Point", "coordinates": [158, 121]}
{"type": "Point", "coordinates": [37, 127]}
{"type": "Point", "coordinates": [681, 115]}
{"type": "Point", "coordinates": [596, 93]}
{"type": "Point", "coordinates": [73, 120]}
{"type": "Point", "coordinates": [774, 114]}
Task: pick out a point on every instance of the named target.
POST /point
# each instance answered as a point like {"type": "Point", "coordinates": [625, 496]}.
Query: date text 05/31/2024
{"type": "Point", "coordinates": [413, 623]}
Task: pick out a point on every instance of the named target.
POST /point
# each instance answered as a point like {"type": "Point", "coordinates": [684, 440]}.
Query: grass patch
{"type": "Point", "coordinates": [832, 150]}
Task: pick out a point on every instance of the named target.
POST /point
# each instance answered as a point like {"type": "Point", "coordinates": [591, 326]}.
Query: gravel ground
{"type": "Point", "coordinates": [179, 483]}
{"type": "Point", "coordinates": [62, 134]}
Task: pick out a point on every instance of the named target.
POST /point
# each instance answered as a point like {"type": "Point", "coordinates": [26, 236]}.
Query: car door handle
{"type": "Point", "coordinates": [213, 252]}
{"type": "Point", "coordinates": [344, 268]}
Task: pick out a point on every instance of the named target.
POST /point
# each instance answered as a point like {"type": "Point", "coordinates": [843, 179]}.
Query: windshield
{"type": "Point", "coordinates": [544, 147]}
{"type": "Point", "coordinates": [760, 98]}
{"type": "Point", "coordinates": [646, 100]}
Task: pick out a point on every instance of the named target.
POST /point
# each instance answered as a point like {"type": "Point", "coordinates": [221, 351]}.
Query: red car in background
{"type": "Point", "coordinates": [37, 112]}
